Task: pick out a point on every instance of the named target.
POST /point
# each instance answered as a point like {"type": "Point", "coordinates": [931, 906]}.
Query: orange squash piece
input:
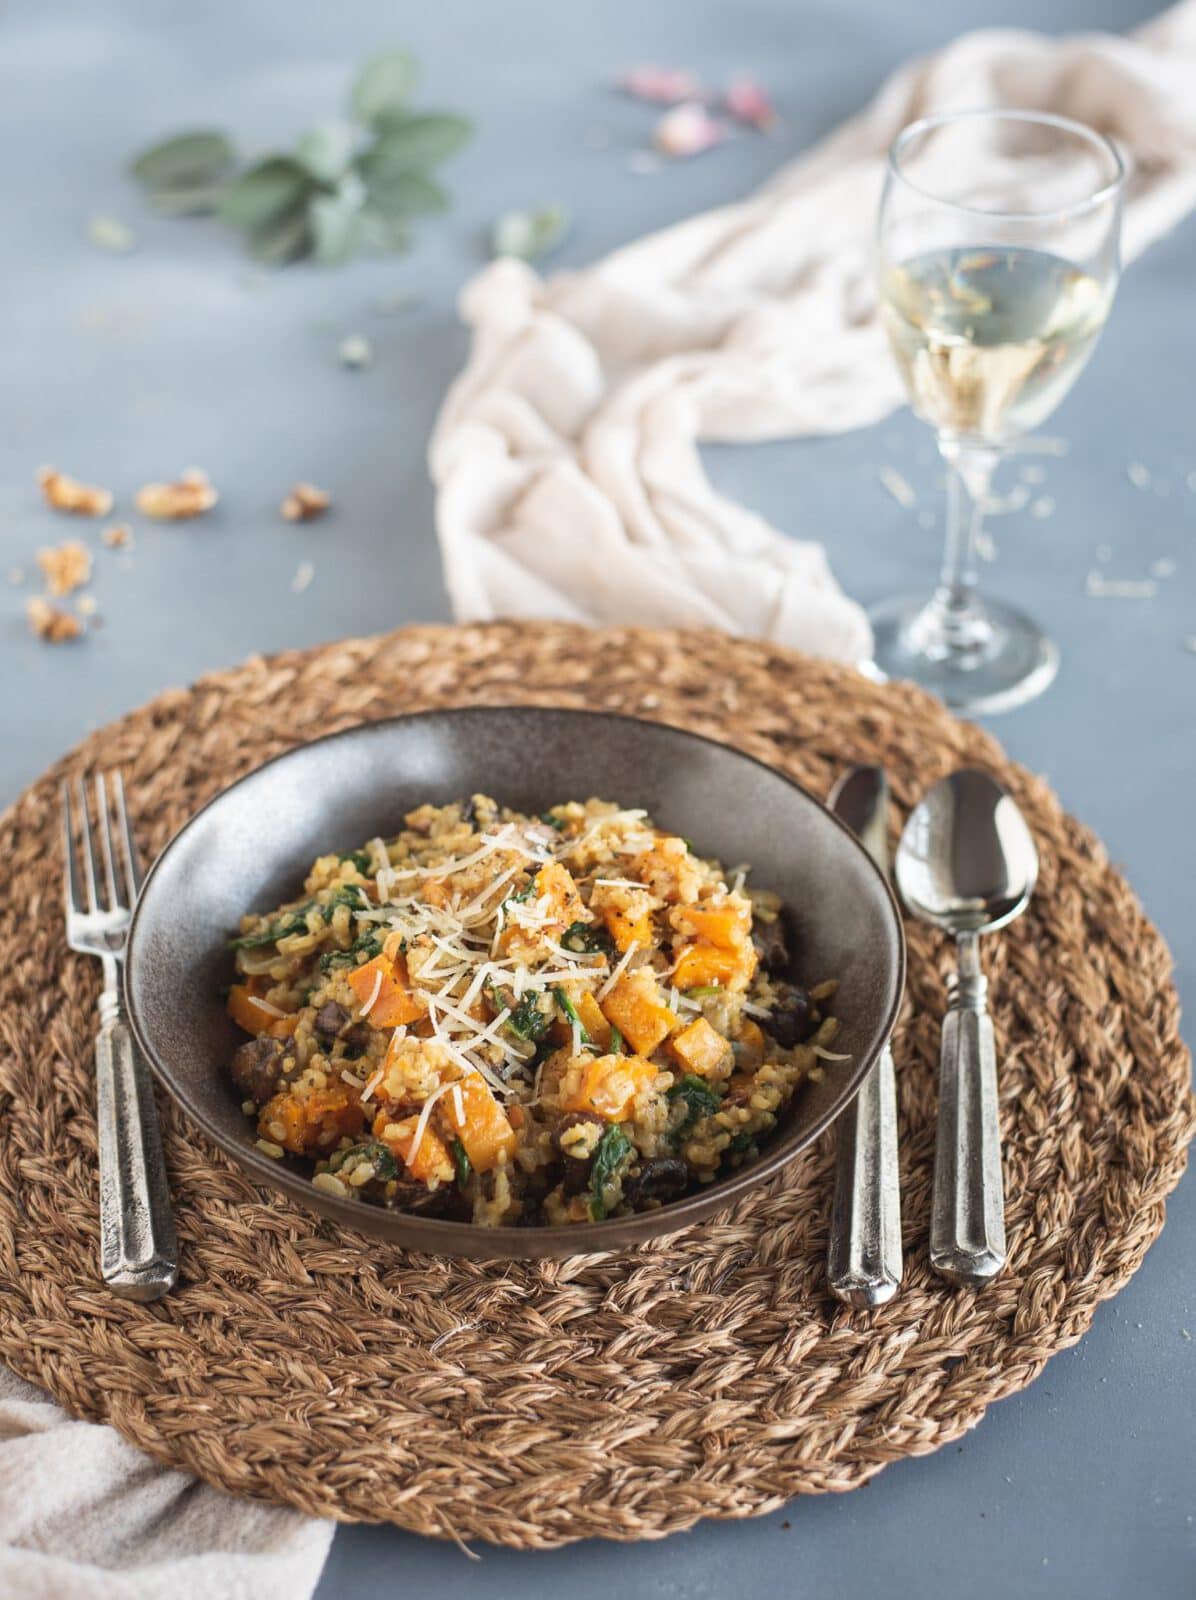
{"type": "Point", "coordinates": [431, 1162]}
{"type": "Point", "coordinates": [313, 1122]}
{"type": "Point", "coordinates": [635, 1007]}
{"type": "Point", "coordinates": [727, 926]}
{"type": "Point", "coordinates": [555, 883]}
{"type": "Point", "coordinates": [627, 930]}
{"type": "Point", "coordinates": [395, 1003]}
{"type": "Point", "coordinates": [701, 964]}
{"type": "Point", "coordinates": [252, 1013]}
{"type": "Point", "coordinates": [483, 1129]}
{"type": "Point", "coordinates": [701, 1049]}
{"type": "Point", "coordinates": [608, 1085]}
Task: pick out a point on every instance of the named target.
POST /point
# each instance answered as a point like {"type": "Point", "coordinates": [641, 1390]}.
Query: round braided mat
{"type": "Point", "coordinates": [706, 1374]}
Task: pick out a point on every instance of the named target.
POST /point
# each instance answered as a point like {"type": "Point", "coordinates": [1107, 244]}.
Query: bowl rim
{"type": "Point", "coordinates": [439, 1235]}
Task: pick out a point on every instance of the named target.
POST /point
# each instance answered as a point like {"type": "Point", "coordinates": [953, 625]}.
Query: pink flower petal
{"type": "Point", "coordinates": [748, 103]}
{"type": "Point", "coordinates": [687, 130]}
{"type": "Point", "coordinates": [660, 86]}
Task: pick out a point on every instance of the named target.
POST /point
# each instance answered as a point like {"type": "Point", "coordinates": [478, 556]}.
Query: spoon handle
{"type": "Point", "coordinates": [967, 1222]}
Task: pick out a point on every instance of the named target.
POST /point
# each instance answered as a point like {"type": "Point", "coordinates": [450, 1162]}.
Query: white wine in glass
{"type": "Point", "coordinates": [998, 265]}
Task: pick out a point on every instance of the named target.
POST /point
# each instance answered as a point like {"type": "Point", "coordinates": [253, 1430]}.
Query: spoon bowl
{"type": "Point", "coordinates": [967, 862]}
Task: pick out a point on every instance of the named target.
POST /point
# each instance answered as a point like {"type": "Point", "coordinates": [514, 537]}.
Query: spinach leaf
{"type": "Point", "coordinates": [385, 1165]}
{"type": "Point", "coordinates": [616, 1041]}
{"type": "Point", "coordinates": [700, 1101]}
{"type": "Point", "coordinates": [586, 938]}
{"type": "Point", "coordinates": [462, 1163]}
{"type": "Point", "coordinates": [291, 922]}
{"type": "Point", "coordinates": [527, 1020]}
{"type": "Point", "coordinates": [360, 859]}
{"type": "Point", "coordinates": [522, 895]}
{"type": "Point", "coordinates": [704, 991]}
{"type": "Point", "coordinates": [364, 948]}
{"type": "Point", "coordinates": [740, 1143]}
{"type": "Point", "coordinates": [559, 823]}
{"type": "Point", "coordinates": [612, 1150]}
{"type": "Point", "coordinates": [347, 894]}
{"type": "Point", "coordinates": [571, 1016]}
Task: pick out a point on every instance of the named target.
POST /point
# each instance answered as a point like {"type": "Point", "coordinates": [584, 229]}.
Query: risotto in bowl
{"type": "Point", "coordinates": [514, 981]}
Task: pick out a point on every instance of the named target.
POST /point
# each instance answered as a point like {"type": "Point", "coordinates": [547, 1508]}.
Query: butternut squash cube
{"type": "Point", "coordinates": [636, 1008]}
{"type": "Point", "coordinates": [701, 1049]}
{"type": "Point", "coordinates": [385, 983]}
{"type": "Point", "coordinates": [606, 1086]}
{"type": "Point", "coordinates": [483, 1127]}
{"type": "Point", "coordinates": [428, 1161]}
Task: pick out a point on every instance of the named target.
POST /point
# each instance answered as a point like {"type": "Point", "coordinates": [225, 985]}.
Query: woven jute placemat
{"type": "Point", "coordinates": [708, 1374]}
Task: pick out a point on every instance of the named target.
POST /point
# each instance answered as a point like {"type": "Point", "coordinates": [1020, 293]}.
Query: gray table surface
{"type": "Point", "coordinates": [129, 368]}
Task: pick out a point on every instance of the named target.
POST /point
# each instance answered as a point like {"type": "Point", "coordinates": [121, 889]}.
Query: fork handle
{"type": "Point", "coordinates": [864, 1259]}
{"type": "Point", "coordinates": [967, 1218]}
{"type": "Point", "coordinates": [138, 1248]}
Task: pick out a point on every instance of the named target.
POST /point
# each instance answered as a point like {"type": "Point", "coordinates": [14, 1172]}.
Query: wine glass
{"type": "Point", "coordinates": [998, 264]}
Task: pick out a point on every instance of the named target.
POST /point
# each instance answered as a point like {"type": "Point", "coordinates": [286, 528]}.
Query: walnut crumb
{"type": "Point", "coordinates": [86, 605]}
{"type": "Point", "coordinates": [65, 494]}
{"type": "Point", "coordinates": [305, 503]}
{"type": "Point", "coordinates": [66, 566]}
{"type": "Point", "coordinates": [118, 536]}
{"type": "Point", "coordinates": [51, 624]}
{"type": "Point", "coordinates": [191, 496]}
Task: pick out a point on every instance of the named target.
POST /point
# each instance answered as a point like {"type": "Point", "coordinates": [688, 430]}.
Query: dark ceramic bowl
{"type": "Point", "coordinates": [251, 847]}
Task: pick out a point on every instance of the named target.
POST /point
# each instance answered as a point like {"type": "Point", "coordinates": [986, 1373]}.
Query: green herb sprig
{"type": "Point", "coordinates": [348, 188]}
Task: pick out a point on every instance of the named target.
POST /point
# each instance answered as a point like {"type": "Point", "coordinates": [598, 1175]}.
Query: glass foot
{"type": "Point", "coordinates": [992, 659]}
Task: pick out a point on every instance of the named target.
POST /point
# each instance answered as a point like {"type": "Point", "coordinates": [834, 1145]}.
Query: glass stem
{"type": "Point", "coordinates": [954, 623]}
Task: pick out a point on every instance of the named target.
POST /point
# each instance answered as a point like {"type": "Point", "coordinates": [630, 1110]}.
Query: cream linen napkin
{"type": "Point", "coordinates": [568, 477]}
{"type": "Point", "coordinates": [85, 1516]}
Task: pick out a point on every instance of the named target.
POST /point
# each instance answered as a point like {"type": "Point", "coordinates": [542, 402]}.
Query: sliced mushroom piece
{"type": "Point", "coordinates": [662, 1178]}
{"type": "Point", "coordinates": [331, 1020]}
{"type": "Point", "coordinates": [789, 1019]}
{"type": "Point", "coordinates": [257, 1066]}
{"type": "Point", "coordinates": [576, 1168]}
{"type": "Point", "coordinates": [771, 941]}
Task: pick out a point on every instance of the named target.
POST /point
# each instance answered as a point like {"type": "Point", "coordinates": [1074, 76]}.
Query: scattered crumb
{"type": "Point", "coordinates": [643, 163]}
{"type": "Point", "coordinates": [1043, 507]}
{"type": "Point", "coordinates": [16, 575]}
{"type": "Point", "coordinates": [1138, 475]}
{"type": "Point", "coordinates": [51, 624]}
{"type": "Point", "coordinates": [86, 605]}
{"type": "Point", "coordinates": [1184, 1332]}
{"type": "Point", "coordinates": [1098, 587]}
{"type": "Point", "coordinates": [1104, 552]}
{"type": "Point", "coordinates": [108, 233]}
{"type": "Point", "coordinates": [304, 573]}
{"type": "Point", "coordinates": [191, 496]}
{"type": "Point", "coordinates": [1033, 473]}
{"type": "Point", "coordinates": [305, 503]}
{"type": "Point", "coordinates": [355, 352]}
{"type": "Point", "coordinates": [899, 487]}
{"type": "Point", "coordinates": [1164, 567]}
{"type": "Point", "coordinates": [118, 537]}
{"type": "Point", "coordinates": [65, 494]}
{"type": "Point", "coordinates": [66, 566]}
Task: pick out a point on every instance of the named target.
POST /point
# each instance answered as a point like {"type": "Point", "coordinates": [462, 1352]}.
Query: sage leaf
{"type": "Point", "coordinates": [326, 151]}
{"type": "Point", "coordinates": [283, 239]}
{"type": "Point", "coordinates": [265, 194]}
{"type": "Point", "coordinates": [186, 161]}
{"type": "Point", "coordinates": [383, 87]}
{"type": "Point", "coordinates": [200, 200]}
{"type": "Point", "coordinates": [529, 234]}
{"type": "Point", "coordinates": [409, 194]}
{"type": "Point", "coordinates": [413, 144]}
{"type": "Point", "coordinates": [337, 229]}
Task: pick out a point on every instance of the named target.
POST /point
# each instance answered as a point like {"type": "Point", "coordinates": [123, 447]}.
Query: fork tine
{"type": "Point", "coordinates": [132, 864]}
{"type": "Point", "coordinates": [104, 829]}
{"type": "Point", "coordinates": [89, 855]}
{"type": "Point", "coordinates": [71, 883]}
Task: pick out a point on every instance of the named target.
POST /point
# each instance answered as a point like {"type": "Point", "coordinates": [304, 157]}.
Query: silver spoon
{"type": "Point", "coordinates": [968, 864]}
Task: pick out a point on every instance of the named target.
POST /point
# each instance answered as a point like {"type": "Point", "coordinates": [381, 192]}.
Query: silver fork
{"type": "Point", "coordinates": [138, 1250]}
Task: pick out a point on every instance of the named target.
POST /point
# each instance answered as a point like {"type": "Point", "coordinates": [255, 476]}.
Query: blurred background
{"type": "Point", "coordinates": [126, 365]}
